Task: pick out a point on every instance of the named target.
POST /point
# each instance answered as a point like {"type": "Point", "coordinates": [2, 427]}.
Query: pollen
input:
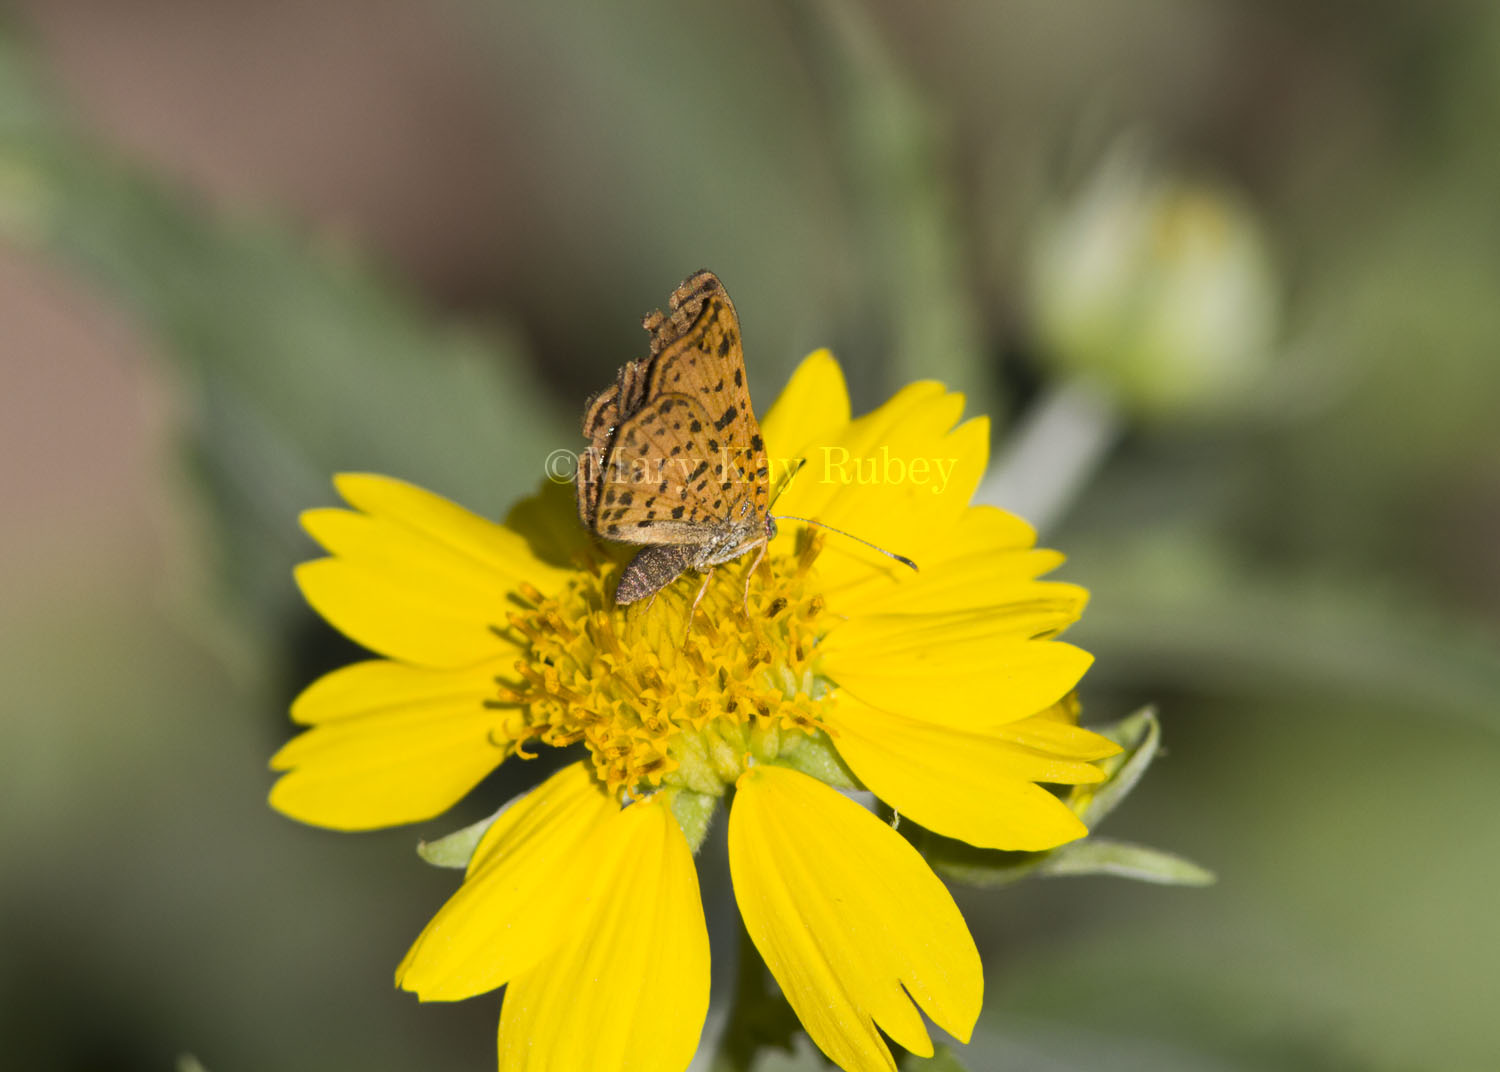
{"type": "Point", "coordinates": [660, 701]}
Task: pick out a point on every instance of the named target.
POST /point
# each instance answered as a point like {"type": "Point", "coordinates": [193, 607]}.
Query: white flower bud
{"type": "Point", "coordinates": [1162, 288]}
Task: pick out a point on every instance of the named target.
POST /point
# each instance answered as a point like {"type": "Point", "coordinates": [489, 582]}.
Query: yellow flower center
{"type": "Point", "coordinates": [661, 702]}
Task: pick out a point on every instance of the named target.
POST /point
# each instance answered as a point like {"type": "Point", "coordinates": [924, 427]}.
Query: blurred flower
{"type": "Point", "coordinates": [939, 690]}
{"type": "Point", "coordinates": [1162, 288]}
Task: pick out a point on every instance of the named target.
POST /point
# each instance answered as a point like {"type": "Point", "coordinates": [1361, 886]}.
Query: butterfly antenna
{"type": "Point", "coordinates": [788, 481]}
{"type": "Point", "coordinates": [873, 546]}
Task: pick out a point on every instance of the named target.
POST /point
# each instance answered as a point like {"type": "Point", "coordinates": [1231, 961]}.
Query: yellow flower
{"type": "Point", "coordinates": [943, 692]}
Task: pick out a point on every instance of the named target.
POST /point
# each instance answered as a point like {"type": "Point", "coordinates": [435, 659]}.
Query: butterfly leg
{"type": "Point", "coordinates": [760, 553]}
{"type": "Point", "coordinates": [693, 610]}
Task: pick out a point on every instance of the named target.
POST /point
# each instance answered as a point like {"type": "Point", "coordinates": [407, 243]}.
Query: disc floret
{"type": "Point", "coordinates": [657, 711]}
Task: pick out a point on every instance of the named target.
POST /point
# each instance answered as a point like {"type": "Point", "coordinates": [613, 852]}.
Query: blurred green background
{"type": "Point", "coordinates": [243, 246]}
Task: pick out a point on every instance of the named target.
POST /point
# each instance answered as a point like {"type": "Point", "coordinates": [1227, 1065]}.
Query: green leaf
{"type": "Point", "coordinates": [1139, 734]}
{"type": "Point", "coordinates": [991, 868]}
{"type": "Point", "coordinates": [694, 812]}
{"type": "Point", "coordinates": [1101, 856]}
{"type": "Point", "coordinates": [455, 849]}
{"type": "Point", "coordinates": [815, 756]}
{"type": "Point", "coordinates": [958, 861]}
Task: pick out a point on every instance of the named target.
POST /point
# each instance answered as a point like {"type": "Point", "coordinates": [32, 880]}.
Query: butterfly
{"type": "Point", "coordinates": [675, 459]}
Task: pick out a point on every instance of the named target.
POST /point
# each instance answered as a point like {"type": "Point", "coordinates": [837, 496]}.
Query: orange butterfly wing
{"type": "Point", "coordinates": [689, 465]}
{"type": "Point", "coordinates": [664, 483]}
{"type": "Point", "coordinates": [602, 416]}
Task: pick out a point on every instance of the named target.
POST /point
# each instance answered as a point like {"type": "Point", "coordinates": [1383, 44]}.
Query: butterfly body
{"type": "Point", "coordinates": [675, 460]}
{"type": "Point", "coordinates": [658, 566]}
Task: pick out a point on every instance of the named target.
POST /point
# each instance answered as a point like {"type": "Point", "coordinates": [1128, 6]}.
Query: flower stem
{"type": "Point", "coordinates": [1053, 452]}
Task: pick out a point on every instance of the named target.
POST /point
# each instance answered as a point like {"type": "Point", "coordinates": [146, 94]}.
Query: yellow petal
{"type": "Point", "coordinates": [827, 452]}
{"type": "Point", "coordinates": [1051, 731]}
{"type": "Point", "coordinates": [411, 560]}
{"type": "Point", "coordinates": [975, 787]}
{"type": "Point", "coordinates": [988, 529]}
{"type": "Point", "coordinates": [972, 669]}
{"type": "Point", "coordinates": [1030, 609]}
{"type": "Point", "coordinates": [376, 684]}
{"type": "Point", "coordinates": [380, 612]}
{"type": "Point", "coordinates": [814, 407]}
{"type": "Point", "coordinates": [630, 989]}
{"type": "Point", "coordinates": [892, 487]}
{"type": "Point", "coordinates": [1002, 585]}
{"type": "Point", "coordinates": [416, 577]}
{"type": "Point", "coordinates": [902, 484]}
{"type": "Point", "coordinates": [390, 744]}
{"type": "Point", "coordinates": [1065, 710]}
{"type": "Point", "coordinates": [846, 915]}
{"type": "Point", "coordinates": [958, 584]}
{"type": "Point", "coordinates": [530, 876]}
{"type": "Point", "coordinates": [446, 523]}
